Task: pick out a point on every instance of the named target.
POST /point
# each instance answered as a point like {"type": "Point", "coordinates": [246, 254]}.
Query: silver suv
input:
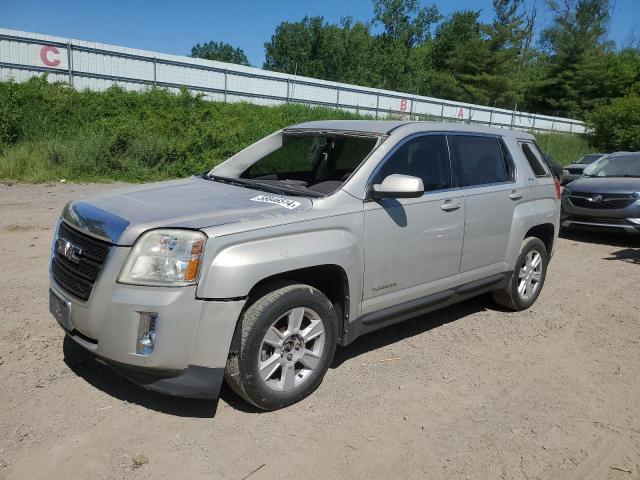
{"type": "Point", "coordinates": [254, 271]}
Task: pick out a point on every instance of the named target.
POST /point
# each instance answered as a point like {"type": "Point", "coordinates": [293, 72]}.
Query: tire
{"type": "Point", "coordinates": [513, 296]}
{"type": "Point", "coordinates": [287, 340]}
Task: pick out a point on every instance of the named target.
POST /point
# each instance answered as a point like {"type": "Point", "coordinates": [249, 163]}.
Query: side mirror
{"type": "Point", "coordinates": [398, 186]}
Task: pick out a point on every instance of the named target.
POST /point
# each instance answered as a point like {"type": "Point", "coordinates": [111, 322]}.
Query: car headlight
{"type": "Point", "coordinates": [565, 172]}
{"type": "Point", "coordinates": [164, 258]}
{"type": "Point", "coordinates": [566, 191]}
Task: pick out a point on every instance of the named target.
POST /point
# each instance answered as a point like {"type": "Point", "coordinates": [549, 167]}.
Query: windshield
{"type": "Point", "coordinates": [615, 166]}
{"type": "Point", "coordinates": [587, 159]}
{"type": "Point", "coordinates": [310, 162]}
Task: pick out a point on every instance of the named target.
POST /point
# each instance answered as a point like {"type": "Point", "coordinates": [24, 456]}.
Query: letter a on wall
{"type": "Point", "coordinates": [460, 113]}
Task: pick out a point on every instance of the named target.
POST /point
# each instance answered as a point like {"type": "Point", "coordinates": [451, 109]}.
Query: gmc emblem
{"type": "Point", "coordinates": [68, 250]}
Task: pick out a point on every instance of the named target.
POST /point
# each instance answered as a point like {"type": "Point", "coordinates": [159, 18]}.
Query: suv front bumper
{"type": "Point", "coordinates": [192, 336]}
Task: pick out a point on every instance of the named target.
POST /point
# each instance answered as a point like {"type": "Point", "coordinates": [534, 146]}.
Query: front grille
{"type": "Point", "coordinates": [575, 171]}
{"type": "Point", "coordinates": [608, 202]}
{"type": "Point", "coordinates": [77, 277]}
{"type": "Point", "coordinates": [91, 247]}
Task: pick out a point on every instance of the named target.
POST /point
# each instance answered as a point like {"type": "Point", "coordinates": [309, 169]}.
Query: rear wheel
{"type": "Point", "coordinates": [288, 339]}
{"type": "Point", "coordinates": [527, 280]}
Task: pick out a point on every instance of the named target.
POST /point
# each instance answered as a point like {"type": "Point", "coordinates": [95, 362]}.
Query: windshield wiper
{"type": "Point", "coordinates": [267, 187]}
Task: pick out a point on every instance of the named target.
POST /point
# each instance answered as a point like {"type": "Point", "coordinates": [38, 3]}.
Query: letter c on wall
{"type": "Point", "coordinates": [47, 55]}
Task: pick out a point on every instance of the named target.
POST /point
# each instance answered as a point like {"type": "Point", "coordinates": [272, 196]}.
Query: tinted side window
{"type": "Point", "coordinates": [533, 159]}
{"type": "Point", "coordinates": [426, 157]}
{"type": "Point", "coordinates": [479, 160]}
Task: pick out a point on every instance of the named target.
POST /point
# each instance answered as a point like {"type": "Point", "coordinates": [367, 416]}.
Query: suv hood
{"type": "Point", "coordinates": [605, 185]}
{"type": "Point", "coordinates": [121, 216]}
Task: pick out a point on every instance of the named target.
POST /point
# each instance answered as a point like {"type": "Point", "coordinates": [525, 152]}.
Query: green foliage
{"type": "Point", "coordinates": [616, 126]}
{"type": "Point", "coordinates": [405, 21]}
{"type": "Point", "coordinates": [220, 51]}
{"type": "Point", "coordinates": [51, 132]}
{"type": "Point", "coordinates": [571, 70]}
{"type": "Point", "coordinates": [311, 47]}
{"type": "Point", "coordinates": [564, 148]}
{"type": "Point", "coordinates": [577, 49]}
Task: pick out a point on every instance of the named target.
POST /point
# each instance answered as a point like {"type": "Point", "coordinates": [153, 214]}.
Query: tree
{"type": "Point", "coordinates": [616, 126]}
{"type": "Point", "coordinates": [481, 63]}
{"type": "Point", "coordinates": [459, 60]}
{"type": "Point", "coordinates": [405, 21]}
{"type": "Point", "coordinates": [220, 51]}
{"type": "Point", "coordinates": [570, 71]}
{"type": "Point", "coordinates": [314, 48]}
{"type": "Point", "coordinates": [407, 26]}
{"type": "Point", "coordinates": [576, 46]}
{"type": "Point", "coordinates": [296, 48]}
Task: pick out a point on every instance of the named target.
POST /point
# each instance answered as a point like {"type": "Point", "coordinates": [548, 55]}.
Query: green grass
{"type": "Point", "coordinates": [564, 148]}
{"type": "Point", "coordinates": [50, 132]}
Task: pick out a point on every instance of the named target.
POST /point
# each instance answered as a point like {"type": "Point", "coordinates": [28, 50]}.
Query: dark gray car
{"type": "Point", "coordinates": [606, 197]}
{"type": "Point", "coordinates": [574, 171]}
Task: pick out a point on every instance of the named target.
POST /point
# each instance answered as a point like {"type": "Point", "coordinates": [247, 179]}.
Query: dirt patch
{"type": "Point", "coordinates": [468, 392]}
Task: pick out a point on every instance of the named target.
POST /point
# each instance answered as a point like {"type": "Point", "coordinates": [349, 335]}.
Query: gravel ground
{"type": "Point", "coordinates": [468, 392]}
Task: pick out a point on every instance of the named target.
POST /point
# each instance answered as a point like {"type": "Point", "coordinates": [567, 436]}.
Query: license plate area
{"type": "Point", "coordinates": [61, 310]}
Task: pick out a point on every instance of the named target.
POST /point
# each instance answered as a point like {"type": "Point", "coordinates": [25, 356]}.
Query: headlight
{"type": "Point", "coordinates": [565, 172]}
{"type": "Point", "coordinates": [164, 257]}
{"type": "Point", "coordinates": [566, 191]}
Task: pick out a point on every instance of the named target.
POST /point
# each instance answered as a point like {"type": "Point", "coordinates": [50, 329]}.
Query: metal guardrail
{"type": "Point", "coordinates": [85, 65]}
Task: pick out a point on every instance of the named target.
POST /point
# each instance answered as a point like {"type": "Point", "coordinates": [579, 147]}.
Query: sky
{"type": "Point", "coordinates": [174, 27]}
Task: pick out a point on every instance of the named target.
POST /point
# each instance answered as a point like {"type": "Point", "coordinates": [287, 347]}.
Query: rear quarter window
{"type": "Point", "coordinates": [479, 160]}
{"type": "Point", "coordinates": [534, 158]}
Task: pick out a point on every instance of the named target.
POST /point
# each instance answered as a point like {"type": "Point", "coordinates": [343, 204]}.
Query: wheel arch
{"type": "Point", "coordinates": [330, 279]}
{"type": "Point", "coordinates": [546, 233]}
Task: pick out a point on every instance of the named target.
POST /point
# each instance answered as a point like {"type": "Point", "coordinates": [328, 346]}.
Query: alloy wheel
{"type": "Point", "coordinates": [291, 349]}
{"type": "Point", "coordinates": [530, 275]}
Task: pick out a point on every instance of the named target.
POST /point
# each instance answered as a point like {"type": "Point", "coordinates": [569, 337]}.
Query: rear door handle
{"type": "Point", "coordinates": [450, 206]}
{"type": "Point", "coordinates": [515, 195]}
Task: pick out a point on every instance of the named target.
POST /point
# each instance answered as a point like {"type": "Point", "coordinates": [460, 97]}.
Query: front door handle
{"type": "Point", "coordinates": [450, 206]}
{"type": "Point", "coordinates": [515, 195]}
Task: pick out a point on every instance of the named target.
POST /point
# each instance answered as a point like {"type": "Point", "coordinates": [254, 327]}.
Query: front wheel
{"type": "Point", "coordinates": [526, 281]}
{"type": "Point", "coordinates": [288, 338]}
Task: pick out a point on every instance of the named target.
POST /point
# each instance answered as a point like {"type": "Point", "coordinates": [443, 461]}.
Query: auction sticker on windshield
{"type": "Point", "coordinates": [283, 202]}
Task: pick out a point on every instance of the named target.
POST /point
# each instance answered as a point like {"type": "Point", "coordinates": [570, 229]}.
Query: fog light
{"type": "Point", "coordinates": [146, 333]}
{"type": "Point", "coordinates": [634, 220]}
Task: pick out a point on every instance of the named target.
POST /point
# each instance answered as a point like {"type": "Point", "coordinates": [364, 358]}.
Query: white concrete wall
{"type": "Point", "coordinates": [97, 66]}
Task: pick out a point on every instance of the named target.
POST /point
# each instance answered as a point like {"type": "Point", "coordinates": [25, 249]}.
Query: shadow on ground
{"type": "Point", "coordinates": [602, 238]}
{"type": "Point", "coordinates": [86, 366]}
{"type": "Point", "coordinates": [629, 255]}
{"type": "Point", "coordinates": [630, 252]}
{"type": "Point", "coordinates": [410, 328]}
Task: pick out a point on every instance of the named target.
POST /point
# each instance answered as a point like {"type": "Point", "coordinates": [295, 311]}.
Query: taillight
{"type": "Point", "coordinates": [558, 188]}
